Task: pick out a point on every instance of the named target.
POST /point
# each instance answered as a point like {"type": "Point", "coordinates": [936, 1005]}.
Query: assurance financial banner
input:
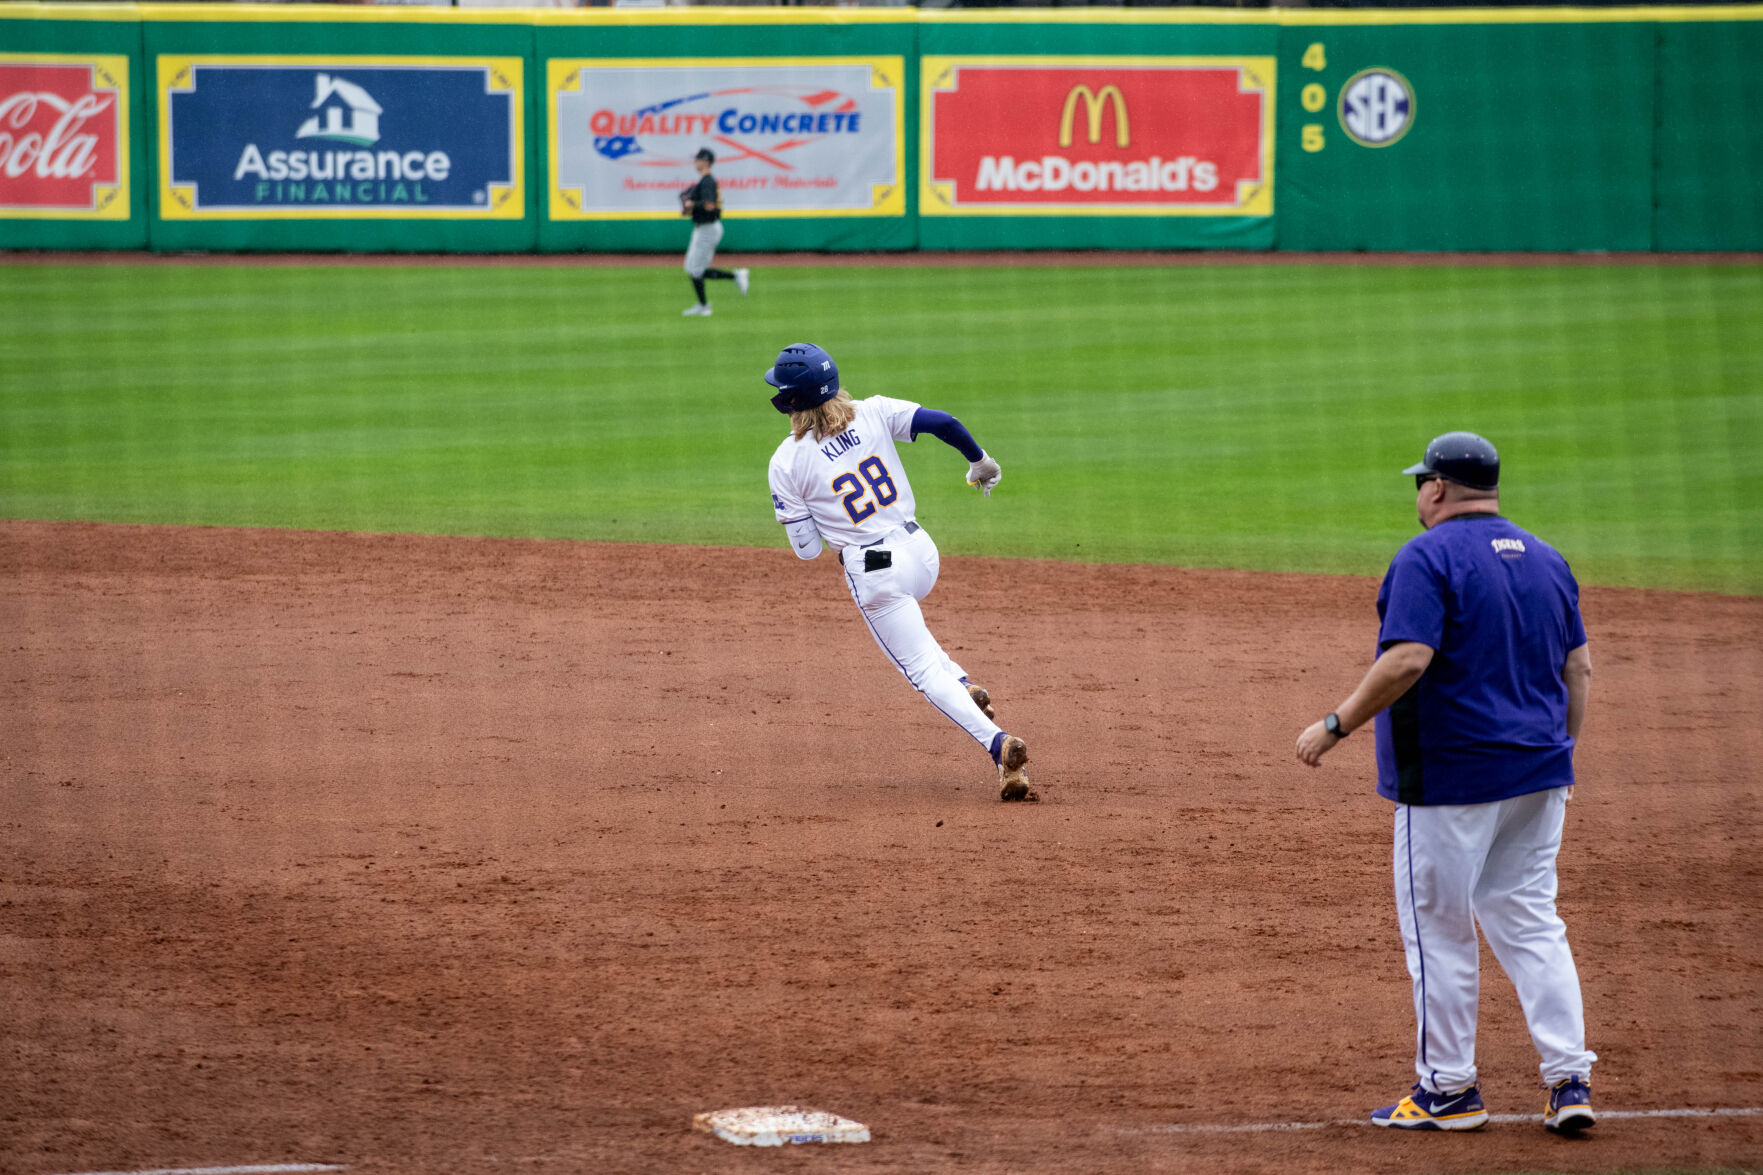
{"type": "Point", "coordinates": [1081, 136]}
{"type": "Point", "coordinates": [792, 137]}
{"type": "Point", "coordinates": [352, 138]}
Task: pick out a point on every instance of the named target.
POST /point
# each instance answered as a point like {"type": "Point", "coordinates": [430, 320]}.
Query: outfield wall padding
{"type": "Point", "coordinates": [1052, 39]}
{"type": "Point", "coordinates": [77, 32]}
{"type": "Point", "coordinates": [1438, 129]}
{"type": "Point", "coordinates": [1523, 136]}
{"type": "Point", "coordinates": [1708, 184]}
{"type": "Point", "coordinates": [177, 33]}
{"type": "Point", "coordinates": [752, 37]}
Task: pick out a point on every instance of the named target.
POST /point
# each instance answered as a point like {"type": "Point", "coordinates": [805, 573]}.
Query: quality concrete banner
{"type": "Point", "coordinates": [792, 136]}
{"type": "Point", "coordinates": [1097, 136]}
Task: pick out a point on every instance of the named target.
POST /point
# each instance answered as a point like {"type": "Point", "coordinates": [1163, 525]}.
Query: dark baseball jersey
{"type": "Point", "coordinates": [1488, 718]}
{"type": "Point", "coordinates": [706, 198]}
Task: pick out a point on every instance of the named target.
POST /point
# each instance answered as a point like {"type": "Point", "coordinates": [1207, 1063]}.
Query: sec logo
{"type": "Point", "coordinates": [1376, 107]}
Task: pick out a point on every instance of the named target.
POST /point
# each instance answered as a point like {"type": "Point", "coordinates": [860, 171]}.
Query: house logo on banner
{"type": "Point", "coordinates": [63, 137]}
{"type": "Point", "coordinates": [816, 138]}
{"type": "Point", "coordinates": [343, 98]}
{"type": "Point", "coordinates": [336, 100]}
{"type": "Point", "coordinates": [346, 139]}
{"type": "Point", "coordinates": [1099, 137]}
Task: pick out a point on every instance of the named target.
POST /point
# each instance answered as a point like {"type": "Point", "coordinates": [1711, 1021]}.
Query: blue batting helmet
{"type": "Point", "coordinates": [1461, 457]}
{"type": "Point", "coordinates": [805, 377]}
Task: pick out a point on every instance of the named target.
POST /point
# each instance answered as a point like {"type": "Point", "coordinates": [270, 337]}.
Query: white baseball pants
{"type": "Point", "coordinates": [1493, 864]}
{"type": "Point", "coordinates": [888, 599]}
{"type": "Point", "coordinates": [702, 249]}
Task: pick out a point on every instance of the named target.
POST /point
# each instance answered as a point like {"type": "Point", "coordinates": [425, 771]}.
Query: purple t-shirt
{"type": "Point", "coordinates": [1488, 718]}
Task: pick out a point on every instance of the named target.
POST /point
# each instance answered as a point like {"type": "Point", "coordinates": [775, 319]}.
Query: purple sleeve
{"type": "Point", "coordinates": [946, 429]}
{"type": "Point", "coordinates": [1575, 623]}
{"type": "Point", "coordinates": [1416, 602]}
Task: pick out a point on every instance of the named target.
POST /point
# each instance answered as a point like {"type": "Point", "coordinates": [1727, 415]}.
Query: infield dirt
{"type": "Point", "coordinates": [451, 856]}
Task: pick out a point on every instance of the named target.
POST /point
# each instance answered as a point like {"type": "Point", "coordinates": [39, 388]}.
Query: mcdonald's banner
{"type": "Point", "coordinates": [1097, 136]}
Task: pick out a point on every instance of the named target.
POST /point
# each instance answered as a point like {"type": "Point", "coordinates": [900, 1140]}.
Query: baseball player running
{"type": "Point", "coordinates": [703, 203]}
{"type": "Point", "coordinates": [837, 478]}
{"type": "Point", "coordinates": [1479, 688]}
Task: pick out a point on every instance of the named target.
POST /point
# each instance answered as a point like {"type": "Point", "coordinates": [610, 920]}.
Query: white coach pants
{"type": "Point", "coordinates": [701, 250]}
{"type": "Point", "coordinates": [1457, 865]}
{"type": "Point", "coordinates": [888, 599]}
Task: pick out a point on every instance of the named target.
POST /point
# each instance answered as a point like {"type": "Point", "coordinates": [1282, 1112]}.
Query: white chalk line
{"type": "Point", "coordinates": [253, 1169]}
{"type": "Point", "coordinates": [1182, 1128]}
{"type": "Point", "coordinates": [1264, 1127]}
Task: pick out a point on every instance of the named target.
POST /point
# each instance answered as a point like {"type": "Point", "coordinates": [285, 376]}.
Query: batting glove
{"type": "Point", "coordinates": [984, 473]}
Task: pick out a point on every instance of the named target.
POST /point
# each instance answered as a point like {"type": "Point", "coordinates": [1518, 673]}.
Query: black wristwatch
{"type": "Point", "coordinates": [1332, 724]}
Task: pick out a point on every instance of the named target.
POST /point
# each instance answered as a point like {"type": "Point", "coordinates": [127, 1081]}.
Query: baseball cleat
{"type": "Point", "coordinates": [741, 280]}
{"type": "Point", "coordinates": [1012, 779]}
{"type": "Point", "coordinates": [981, 699]}
{"type": "Point", "coordinates": [1424, 1110]}
{"type": "Point", "coordinates": [701, 310]}
{"type": "Point", "coordinates": [1568, 1108]}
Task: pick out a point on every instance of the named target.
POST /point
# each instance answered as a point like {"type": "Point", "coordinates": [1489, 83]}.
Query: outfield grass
{"type": "Point", "coordinates": [1241, 416]}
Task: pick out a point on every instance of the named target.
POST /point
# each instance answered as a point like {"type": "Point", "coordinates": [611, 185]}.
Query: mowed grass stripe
{"type": "Point", "coordinates": [1244, 416]}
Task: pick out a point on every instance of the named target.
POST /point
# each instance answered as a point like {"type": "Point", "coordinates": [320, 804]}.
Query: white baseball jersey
{"type": "Point", "coordinates": [852, 484]}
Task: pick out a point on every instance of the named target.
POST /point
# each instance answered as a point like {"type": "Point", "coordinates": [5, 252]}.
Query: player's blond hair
{"type": "Point", "coordinates": [826, 420]}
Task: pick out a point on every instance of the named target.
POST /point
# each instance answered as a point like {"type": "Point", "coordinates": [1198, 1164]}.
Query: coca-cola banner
{"type": "Point", "coordinates": [341, 138]}
{"type": "Point", "coordinates": [1097, 136]}
{"type": "Point", "coordinates": [64, 130]}
{"type": "Point", "coordinates": [798, 137]}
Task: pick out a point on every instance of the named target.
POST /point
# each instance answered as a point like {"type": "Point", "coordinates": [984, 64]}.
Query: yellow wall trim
{"type": "Point", "coordinates": [712, 15]}
{"type": "Point", "coordinates": [129, 12]}
{"type": "Point", "coordinates": [568, 17]}
{"type": "Point", "coordinates": [1309, 17]}
{"type": "Point", "coordinates": [329, 14]}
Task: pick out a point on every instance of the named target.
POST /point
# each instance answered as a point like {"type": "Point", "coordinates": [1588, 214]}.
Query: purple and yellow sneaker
{"type": "Point", "coordinates": [1424, 1110]}
{"type": "Point", "coordinates": [1569, 1106]}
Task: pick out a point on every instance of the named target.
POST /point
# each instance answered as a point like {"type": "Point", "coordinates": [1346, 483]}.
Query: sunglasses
{"type": "Point", "coordinates": [1420, 479]}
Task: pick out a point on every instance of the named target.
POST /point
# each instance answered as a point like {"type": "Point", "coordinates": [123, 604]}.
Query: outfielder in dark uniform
{"type": "Point", "coordinates": [1479, 688]}
{"type": "Point", "coordinates": [703, 203]}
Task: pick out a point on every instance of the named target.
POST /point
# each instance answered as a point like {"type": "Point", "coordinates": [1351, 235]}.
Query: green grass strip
{"type": "Point", "coordinates": [1226, 416]}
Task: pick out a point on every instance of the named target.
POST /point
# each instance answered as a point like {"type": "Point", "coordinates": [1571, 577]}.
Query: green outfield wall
{"type": "Point", "coordinates": [309, 127]}
{"type": "Point", "coordinates": [1521, 136]}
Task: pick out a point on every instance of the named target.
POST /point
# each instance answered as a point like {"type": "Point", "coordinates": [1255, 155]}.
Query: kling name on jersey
{"type": "Point", "coordinates": [843, 443]}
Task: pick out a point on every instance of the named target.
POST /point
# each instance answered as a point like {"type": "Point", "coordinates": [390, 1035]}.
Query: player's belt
{"type": "Point", "coordinates": [909, 528]}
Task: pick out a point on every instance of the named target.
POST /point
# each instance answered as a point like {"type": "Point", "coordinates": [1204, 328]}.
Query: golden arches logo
{"type": "Point", "coordinates": [1095, 102]}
